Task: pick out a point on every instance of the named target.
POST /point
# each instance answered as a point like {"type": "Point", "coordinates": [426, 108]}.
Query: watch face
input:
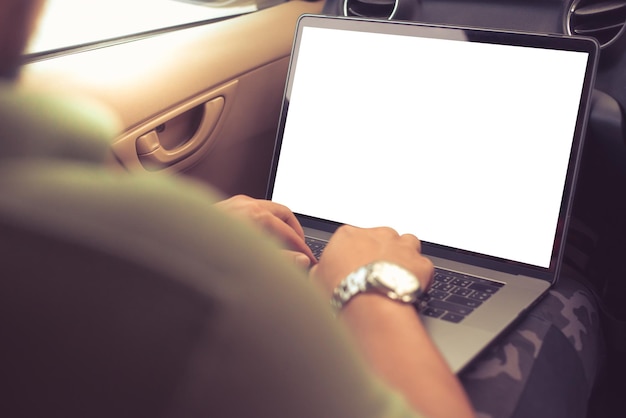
{"type": "Point", "coordinates": [396, 279]}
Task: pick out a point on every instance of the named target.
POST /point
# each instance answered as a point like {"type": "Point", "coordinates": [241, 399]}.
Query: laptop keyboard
{"type": "Point", "coordinates": [316, 245]}
{"type": "Point", "coordinates": [452, 295]}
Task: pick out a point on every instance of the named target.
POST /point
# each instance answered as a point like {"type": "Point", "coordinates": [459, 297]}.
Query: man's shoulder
{"type": "Point", "coordinates": [39, 124]}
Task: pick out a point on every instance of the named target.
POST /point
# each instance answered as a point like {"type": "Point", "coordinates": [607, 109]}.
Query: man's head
{"type": "Point", "coordinates": [17, 20]}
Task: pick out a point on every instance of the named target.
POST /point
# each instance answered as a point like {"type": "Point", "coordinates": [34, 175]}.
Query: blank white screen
{"type": "Point", "coordinates": [462, 144]}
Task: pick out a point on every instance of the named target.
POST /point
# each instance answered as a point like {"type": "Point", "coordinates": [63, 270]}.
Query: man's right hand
{"type": "Point", "coordinates": [390, 335]}
{"type": "Point", "coordinates": [351, 248]}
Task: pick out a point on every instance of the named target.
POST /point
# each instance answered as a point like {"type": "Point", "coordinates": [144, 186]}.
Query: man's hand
{"type": "Point", "coordinates": [390, 335]}
{"type": "Point", "coordinates": [351, 248]}
{"type": "Point", "coordinates": [276, 220]}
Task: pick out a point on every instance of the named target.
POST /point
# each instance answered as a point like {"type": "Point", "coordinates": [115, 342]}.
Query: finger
{"type": "Point", "coordinates": [412, 240]}
{"type": "Point", "coordinates": [297, 258]}
{"type": "Point", "coordinates": [287, 227]}
{"type": "Point", "coordinates": [428, 269]}
{"type": "Point", "coordinates": [272, 217]}
{"type": "Point", "coordinates": [284, 214]}
{"type": "Point", "coordinates": [253, 209]}
{"type": "Point", "coordinates": [290, 238]}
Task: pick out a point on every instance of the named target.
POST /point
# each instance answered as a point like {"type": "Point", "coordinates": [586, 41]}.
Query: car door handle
{"type": "Point", "coordinates": [154, 155]}
{"type": "Point", "coordinates": [177, 137]}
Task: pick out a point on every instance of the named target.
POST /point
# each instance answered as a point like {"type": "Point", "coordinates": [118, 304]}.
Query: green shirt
{"type": "Point", "coordinates": [131, 295]}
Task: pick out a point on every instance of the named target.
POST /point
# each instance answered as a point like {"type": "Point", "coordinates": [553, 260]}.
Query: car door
{"type": "Point", "coordinates": [203, 101]}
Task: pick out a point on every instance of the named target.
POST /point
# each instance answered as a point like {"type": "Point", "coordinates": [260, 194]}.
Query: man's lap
{"type": "Point", "coordinates": [546, 365]}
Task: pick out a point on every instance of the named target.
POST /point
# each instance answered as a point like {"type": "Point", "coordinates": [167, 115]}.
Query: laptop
{"type": "Point", "coordinates": [469, 139]}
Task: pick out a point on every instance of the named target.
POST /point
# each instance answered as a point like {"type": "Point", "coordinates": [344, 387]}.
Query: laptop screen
{"type": "Point", "coordinates": [465, 144]}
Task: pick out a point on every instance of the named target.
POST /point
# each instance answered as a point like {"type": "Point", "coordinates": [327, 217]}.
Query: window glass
{"type": "Point", "coordinates": [76, 23]}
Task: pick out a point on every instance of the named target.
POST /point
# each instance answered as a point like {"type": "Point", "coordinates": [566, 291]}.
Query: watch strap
{"type": "Point", "coordinates": [354, 283]}
{"type": "Point", "coordinates": [365, 279]}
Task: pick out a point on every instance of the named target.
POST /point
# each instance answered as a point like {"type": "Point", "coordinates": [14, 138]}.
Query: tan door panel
{"type": "Point", "coordinates": [202, 100]}
{"type": "Point", "coordinates": [179, 137]}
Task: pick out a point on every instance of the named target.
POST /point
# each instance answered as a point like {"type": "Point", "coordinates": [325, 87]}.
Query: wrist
{"type": "Point", "coordinates": [376, 322]}
{"type": "Point", "coordinates": [373, 308]}
{"type": "Point", "coordinates": [386, 280]}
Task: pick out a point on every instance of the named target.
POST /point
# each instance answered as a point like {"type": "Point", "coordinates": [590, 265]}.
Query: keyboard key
{"type": "Point", "coordinates": [444, 287]}
{"type": "Point", "coordinates": [440, 277]}
{"type": "Point", "coordinates": [450, 307]}
{"type": "Point", "coordinates": [462, 291]}
{"type": "Point", "coordinates": [437, 294]}
{"type": "Point", "coordinates": [433, 312]}
{"type": "Point", "coordinates": [453, 296]}
{"type": "Point", "coordinates": [482, 296]}
{"type": "Point", "coordinates": [461, 282]}
{"type": "Point", "coordinates": [317, 246]}
{"type": "Point", "coordinates": [451, 317]}
{"type": "Point", "coordinates": [470, 303]}
{"type": "Point", "coordinates": [484, 288]}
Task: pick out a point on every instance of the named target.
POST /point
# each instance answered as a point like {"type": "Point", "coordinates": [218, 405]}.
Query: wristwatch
{"type": "Point", "coordinates": [380, 277]}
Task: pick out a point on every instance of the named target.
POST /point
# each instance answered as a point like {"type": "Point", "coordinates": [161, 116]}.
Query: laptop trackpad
{"type": "Point", "coordinates": [458, 343]}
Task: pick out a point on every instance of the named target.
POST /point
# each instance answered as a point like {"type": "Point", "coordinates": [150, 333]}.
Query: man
{"type": "Point", "coordinates": [228, 326]}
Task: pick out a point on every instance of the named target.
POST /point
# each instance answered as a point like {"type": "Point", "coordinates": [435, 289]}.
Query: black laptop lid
{"type": "Point", "coordinates": [467, 138]}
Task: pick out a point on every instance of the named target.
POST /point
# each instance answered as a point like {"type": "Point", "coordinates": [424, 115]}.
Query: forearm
{"type": "Point", "coordinates": [395, 343]}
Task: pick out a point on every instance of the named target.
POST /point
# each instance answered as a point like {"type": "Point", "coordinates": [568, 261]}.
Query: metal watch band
{"type": "Point", "coordinates": [354, 283]}
{"type": "Point", "coordinates": [385, 278]}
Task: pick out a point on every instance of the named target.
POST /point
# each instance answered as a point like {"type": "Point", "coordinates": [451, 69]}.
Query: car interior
{"type": "Point", "coordinates": [202, 100]}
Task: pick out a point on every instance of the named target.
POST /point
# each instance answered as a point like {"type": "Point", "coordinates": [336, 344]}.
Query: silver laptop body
{"type": "Point", "coordinates": [470, 139]}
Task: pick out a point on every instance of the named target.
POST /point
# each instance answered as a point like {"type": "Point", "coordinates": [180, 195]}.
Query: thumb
{"type": "Point", "coordinates": [297, 258]}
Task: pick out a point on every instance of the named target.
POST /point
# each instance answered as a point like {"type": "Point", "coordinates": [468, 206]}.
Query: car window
{"type": "Point", "coordinates": [70, 24]}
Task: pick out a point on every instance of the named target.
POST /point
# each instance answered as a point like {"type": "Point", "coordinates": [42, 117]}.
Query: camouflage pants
{"type": "Point", "coordinates": [546, 365]}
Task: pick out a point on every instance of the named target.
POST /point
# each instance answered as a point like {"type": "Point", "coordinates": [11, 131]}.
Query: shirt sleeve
{"type": "Point", "coordinates": [38, 125]}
